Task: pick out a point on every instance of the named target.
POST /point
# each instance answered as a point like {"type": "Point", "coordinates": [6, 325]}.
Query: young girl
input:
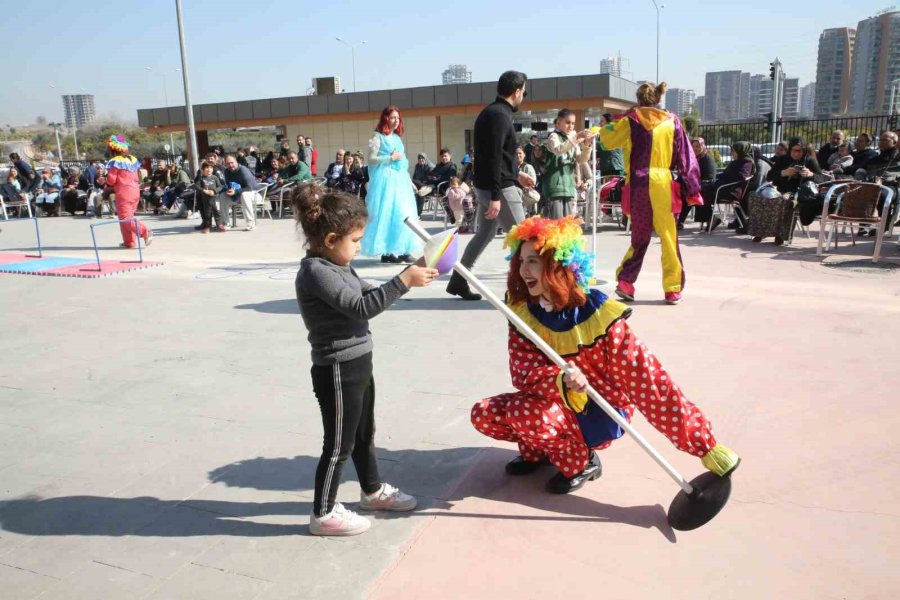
{"type": "Point", "coordinates": [566, 149]}
{"type": "Point", "coordinates": [550, 416]}
{"type": "Point", "coordinates": [336, 306]}
{"type": "Point", "coordinates": [458, 202]}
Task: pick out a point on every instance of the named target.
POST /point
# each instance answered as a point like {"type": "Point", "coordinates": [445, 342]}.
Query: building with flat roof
{"type": "Point", "coordinates": [456, 74]}
{"type": "Point", "coordinates": [435, 117]}
{"type": "Point", "coordinates": [876, 63]}
{"type": "Point", "coordinates": [79, 109]}
{"type": "Point", "coordinates": [833, 71]}
{"type": "Point", "coordinates": [680, 101]}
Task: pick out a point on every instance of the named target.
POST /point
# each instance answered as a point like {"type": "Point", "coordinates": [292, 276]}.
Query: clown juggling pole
{"type": "Point", "coordinates": [553, 314]}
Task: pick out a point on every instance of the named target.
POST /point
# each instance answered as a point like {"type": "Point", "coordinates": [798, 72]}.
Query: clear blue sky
{"type": "Point", "coordinates": [240, 49]}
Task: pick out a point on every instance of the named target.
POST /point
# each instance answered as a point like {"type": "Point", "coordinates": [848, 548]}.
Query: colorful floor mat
{"type": "Point", "coordinates": [62, 266]}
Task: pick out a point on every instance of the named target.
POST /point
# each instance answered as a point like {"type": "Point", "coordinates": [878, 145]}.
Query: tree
{"type": "Point", "coordinates": [41, 120]}
{"type": "Point", "coordinates": [691, 124]}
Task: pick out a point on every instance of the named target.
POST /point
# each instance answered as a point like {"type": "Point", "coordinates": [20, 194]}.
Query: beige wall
{"type": "Point", "coordinates": [453, 135]}
{"type": "Point", "coordinates": [420, 136]}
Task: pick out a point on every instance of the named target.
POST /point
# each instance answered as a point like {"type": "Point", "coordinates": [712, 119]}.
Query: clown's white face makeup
{"type": "Point", "coordinates": [531, 269]}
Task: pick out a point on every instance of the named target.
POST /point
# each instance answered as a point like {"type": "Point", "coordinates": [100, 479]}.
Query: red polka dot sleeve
{"type": "Point", "coordinates": [531, 371]}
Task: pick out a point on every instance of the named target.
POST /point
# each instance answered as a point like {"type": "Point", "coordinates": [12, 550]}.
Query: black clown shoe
{"type": "Point", "coordinates": [560, 484]}
{"type": "Point", "coordinates": [520, 466]}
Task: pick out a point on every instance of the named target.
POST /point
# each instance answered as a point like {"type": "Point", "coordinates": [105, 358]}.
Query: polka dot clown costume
{"type": "Point", "coordinates": [548, 420]}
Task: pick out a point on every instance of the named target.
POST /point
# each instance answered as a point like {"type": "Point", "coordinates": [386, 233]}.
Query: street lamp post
{"type": "Point", "coordinates": [58, 145]}
{"type": "Point", "coordinates": [188, 107]}
{"type": "Point", "coordinates": [166, 98]}
{"type": "Point", "coordinates": [894, 85]}
{"type": "Point", "coordinates": [74, 130]}
{"type": "Point", "coordinates": [352, 56]}
{"type": "Point", "coordinates": [658, 7]}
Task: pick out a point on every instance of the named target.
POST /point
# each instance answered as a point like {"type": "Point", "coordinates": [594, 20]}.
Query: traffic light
{"type": "Point", "coordinates": [772, 71]}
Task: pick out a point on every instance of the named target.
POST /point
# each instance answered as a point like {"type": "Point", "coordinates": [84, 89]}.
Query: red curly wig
{"type": "Point", "coordinates": [383, 126]}
{"type": "Point", "coordinates": [558, 282]}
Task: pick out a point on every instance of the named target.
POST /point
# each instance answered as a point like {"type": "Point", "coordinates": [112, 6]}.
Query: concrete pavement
{"type": "Point", "coordinates": [158, 433]}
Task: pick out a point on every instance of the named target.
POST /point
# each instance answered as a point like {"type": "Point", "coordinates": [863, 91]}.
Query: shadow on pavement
{"type": "Point", "coordinates": [488, 480]}
{"type": "Point", "coordinates": [146, 516]}
{"type": "Point", "coordinates": [287, 306]}
{"type": "Point", "coordinates": [484, 478]}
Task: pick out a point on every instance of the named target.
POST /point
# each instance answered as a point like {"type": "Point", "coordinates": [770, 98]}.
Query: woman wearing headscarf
{"type": "Point", "coordinates": [707, 165]}
{"type": "Point", "coordinates": [738, 170]}
{"type": "Point", "coordinates": [122, 176]}
{"type": "Point", "coordinates": [653, 142]}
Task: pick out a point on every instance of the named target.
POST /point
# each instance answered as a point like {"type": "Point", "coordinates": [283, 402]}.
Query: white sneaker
{"type": "Point", "coordinates": [194, 215]}
{"type": "Point", "coordinates": [338, 522]}
{"type": "Point", "coordinates": [250, 227]}
{"type": "Point", "coordinates": [387, 498]}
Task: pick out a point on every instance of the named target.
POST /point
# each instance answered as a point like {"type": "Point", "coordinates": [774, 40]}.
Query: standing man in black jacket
{"type": "Point", "coordinates": [495, 175]}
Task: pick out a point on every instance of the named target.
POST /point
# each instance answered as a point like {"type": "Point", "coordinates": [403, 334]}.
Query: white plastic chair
{"type": "Point", "coordinates": [17, 204]}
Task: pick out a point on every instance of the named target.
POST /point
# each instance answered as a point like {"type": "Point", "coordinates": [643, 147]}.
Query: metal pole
{"type": "Point", "coordinates": [353, 63]}
{"type": "Point", "coordinates": [171, 152]}
{"type": "Point", "coordinates": [560, 362]}
{"type": "Point", "coordinates": [188, 107]}
{"type": "Point", "coordinates": [657, 7]}
{"type": "Point", "coordinates": [58, 146]}
{"type": "Point", "coordinates": [75, 136]}
{"type": "Point", "coordinates": [594, 199]}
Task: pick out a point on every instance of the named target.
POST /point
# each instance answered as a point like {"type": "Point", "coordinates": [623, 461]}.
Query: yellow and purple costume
{"type": "Point", "coordinates": [655, 144]}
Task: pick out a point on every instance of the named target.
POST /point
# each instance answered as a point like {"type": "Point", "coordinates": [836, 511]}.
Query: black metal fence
{"type": "Point", "coordinates": [814, 131]}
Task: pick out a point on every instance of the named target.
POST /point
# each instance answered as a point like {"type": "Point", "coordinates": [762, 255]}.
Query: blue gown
{"type": "Point", "coordinates": [390, 200]}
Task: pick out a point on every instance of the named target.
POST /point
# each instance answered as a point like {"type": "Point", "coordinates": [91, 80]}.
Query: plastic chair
{"type": "Point", "coordinates": [261, 189]}
{"type": "Point", "coordinates": [279, 197]}
{"type": "Point", "coordinates": [17, 204]}
{"type": "Point", "coordinates": [723, 208]}
{"type": "Point", "coordinates": [857, 204]}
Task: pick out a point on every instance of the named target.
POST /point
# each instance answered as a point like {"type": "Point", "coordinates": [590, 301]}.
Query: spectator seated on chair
{"type": "Point", "coordinates": [333, 172]}
{"type": "Point", "coordinates": [829, 148]}
{"type": "Point", "coordinates": [295, 171]}
{"type": "Point", "coordinates": [360, 162]}
{"type": "Point", "coordinates": [157, 185]}
{"type": "Point", "coordinates": [46, 197]}
{"type": "Point", "coordinates": [884, 168]}
{"type": "Point", "coordinates": [12, 191]}
{"type": "Point", "coordinates": [420, 173]}
{"type": "Point", "coordinates": [441, 173]}
{"type": "Point", "coordinates": [26, 175]}
{"type": "Point", "coordinates": [351, 178]}
{"type": "Point", "coordinates": [738, 170]}
{"type": "Point", "coordinates": [792, 169]}
{"type": "Point", "coordinates": [862, 151]}
{"type": "Point", "coordinates": [839, 164]}
{"type": "Point", "coordinates": [74, 197]}
{"type": "Point", "coordinates": [458, 202]}
{"type": "Point", "coordinates": [179, 181]}
{"type": "Point", "coordinates": [97, 195]}
{"type": "Point", "coordinates": [887, 164]}
{"type": "Point", "coordinates": [707, 165]}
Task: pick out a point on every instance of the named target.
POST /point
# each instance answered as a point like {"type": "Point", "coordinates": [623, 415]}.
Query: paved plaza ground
{"type": "Point", "coordinates": [158, 433]}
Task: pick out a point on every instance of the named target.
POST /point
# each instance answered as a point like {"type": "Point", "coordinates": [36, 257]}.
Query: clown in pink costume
{"type": "Point", "coordinates": [122, 176]}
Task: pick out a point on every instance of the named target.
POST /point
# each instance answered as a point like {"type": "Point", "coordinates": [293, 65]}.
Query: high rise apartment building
{"type": "Point", "coordinates": [680, 101]}
{"type": "Point", "coordinates": [833, 83]}
{"type": "Point", "coordinates": [79, 109]}
{"type": "Point", "coordinates": [875, 64]}
{"type": "Point", "coordinates": [807, 99]}
{"type": "Point", "coordinates": [456, 74]}
{"type": "Point", "coordinates": [724, 96]}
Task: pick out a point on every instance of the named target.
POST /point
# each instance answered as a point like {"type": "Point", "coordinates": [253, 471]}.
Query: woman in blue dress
{"type": "Point", "coordinates": [390, 197]}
